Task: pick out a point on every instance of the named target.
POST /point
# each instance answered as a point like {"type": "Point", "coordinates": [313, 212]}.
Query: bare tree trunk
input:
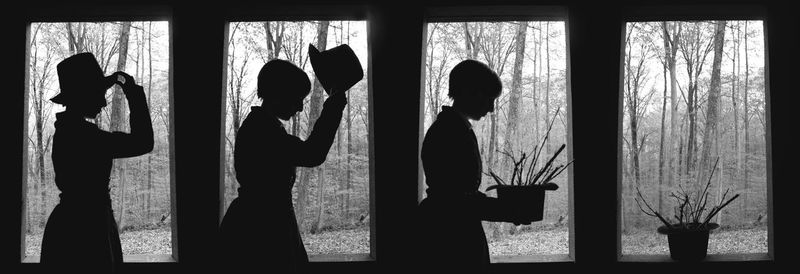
{"type": "Point", "coordinates": [695, 50]}
{"type": "Point", "coordinates": [471, 42]}
{"type": "Point", "coordinates": [671, 48]}
{"type": "Point", "coordinates": [661, 150]}
{"type": "Point", "coordinates": [714, 91]}
{"type": "Point", "coordinates": [349, 142]}
{"type": "Point", "coordinates": [537, 46]}
{"type": "Point", "coordinates": [349, 152]}
{"type": "Point", "coordinates": [492, 138]}
{"type": "Point", "coordinates": [235, 101]}
{"type": "Point", "coordinates": [76, 38]}
{"type": "Point", "coordinates": [39, 84]}
{"type": "Point", "coordinates": [547, 100]}
{"type": "Point", "coordinates": [516, 90]}
{"type": "Point", "coordinates": [734, 97]}
{"type": "Point", "coordinates": [339, 175]}
{"type": "Point", "coordinates": [635, 75]}
{"type": "Point", "coordinates": [315, 109]}
{"type": "Point", "coordinates": [320, 199]}
{"type": "Point", "coordinates": [274, 40]}
{"type": "Point", "coordinates": [149, 106]}
{"type": "Point", "coordinates": [721, 175]}
{"type": "Point", "coordinates": [746, 124]}
{"type": "Point", "coordinates": [139, 75]}
{"type": "Point", "coordinates": [547, 86]}
{"type": "Point", "coordinates": [511, 133]}
{"type": "Point", "coordinates": [118, 119]}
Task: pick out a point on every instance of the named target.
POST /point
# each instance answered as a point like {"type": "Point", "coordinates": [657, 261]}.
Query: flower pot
{"type": "Point", "coordinates": [527, 202]}
{"type": "Point", "coordinates": [689, 242]}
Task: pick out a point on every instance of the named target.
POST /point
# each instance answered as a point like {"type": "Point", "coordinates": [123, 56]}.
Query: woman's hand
{"type": "Point", "coordinates": [337, 97]}
{"type": "Point", "coordinates": [127, 83]}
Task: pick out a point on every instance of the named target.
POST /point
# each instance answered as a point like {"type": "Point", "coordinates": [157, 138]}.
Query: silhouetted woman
{"type": "Point", "coordinates": [259, 230]}
{"type": "Point", "coordinates": [452, 237]}
{"type": "Point", "coordinates": [81, 235]}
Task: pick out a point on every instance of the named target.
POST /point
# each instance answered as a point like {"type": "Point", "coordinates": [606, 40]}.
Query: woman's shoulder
{"type": "Point", "coordinates": [447, 123]}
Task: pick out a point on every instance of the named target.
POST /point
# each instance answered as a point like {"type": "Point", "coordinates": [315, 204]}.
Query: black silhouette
{"type": "Point", "coordinates": [81, 235]}
{"type": "Point", "coordinates": [453, 239]}
{"type": "Point", "coordinates": [260, 229]}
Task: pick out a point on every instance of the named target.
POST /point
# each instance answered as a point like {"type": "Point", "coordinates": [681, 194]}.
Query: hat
{"type": "Point", "coordinates": [80, 77]}
{"type": "Point", "coordinates": [337, 68]}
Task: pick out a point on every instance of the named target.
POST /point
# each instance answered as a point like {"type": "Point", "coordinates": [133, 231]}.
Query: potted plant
{"type": "Point", "coordinates": [687, 234]}
{"type": "Point", "coordinates": [525, 191]}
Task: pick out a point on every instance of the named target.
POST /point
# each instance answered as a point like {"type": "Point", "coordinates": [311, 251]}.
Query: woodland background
{"type": "Point", "coordinates": [691, 92]}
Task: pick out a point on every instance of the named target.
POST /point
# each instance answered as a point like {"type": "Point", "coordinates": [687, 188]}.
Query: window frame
{"type": "Point", "coordinates": [104, 13]}
{"type": "Point", "coordinates": [279, 12]}
{"type": "Point", "coordinates": [502, 13]}
{"type": "Point", "coordinates": [701, 12]}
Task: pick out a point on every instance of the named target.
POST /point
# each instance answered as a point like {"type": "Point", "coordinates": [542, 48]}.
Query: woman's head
{"type": "Point", "coordinates": [473, 88]}
{"type": "Point", "coordinates": [83, 86]}
{"type": "Point", "coordinates": [282, 86]}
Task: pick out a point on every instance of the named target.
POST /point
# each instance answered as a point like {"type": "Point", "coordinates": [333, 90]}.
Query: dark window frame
{"type": "Point", "coordinates": [307, 13]}
{"type": "Point", "coordinates": [498, 13]}
{"type": "Point", "coordinates": [702, 12]}
{"type": "Point", "coordinates": [105, 13]}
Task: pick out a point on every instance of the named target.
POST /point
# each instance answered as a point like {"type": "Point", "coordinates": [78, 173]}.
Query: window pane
{"type": "Point", "coordinates": [331, 201]}
{"type": "Point", "coordinates": [674, 134]}
{"type": "Point", "coordinates": [537, 81]}
{"type": "Point", "coordinates": [140, 186]}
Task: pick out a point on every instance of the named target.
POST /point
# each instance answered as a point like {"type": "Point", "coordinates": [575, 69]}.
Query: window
{"type": "Point", "coordinates": [332, 201]}
{"type": "Point", "coordinates": [694, 93]}
{"type": "Point", "coordinates": [141, 187]}
{"type": "Point", "coordinates": [531, 59]}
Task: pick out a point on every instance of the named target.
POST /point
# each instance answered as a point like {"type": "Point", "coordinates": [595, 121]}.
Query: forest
{"type": "Point", "coordinates": [694, 92]}
{"type": "Point", "coordinates": [333, 197]}
{"type": "Point", "coordinates": [140, 186]}
{"type": "Point", "coordinates": [691, 92]}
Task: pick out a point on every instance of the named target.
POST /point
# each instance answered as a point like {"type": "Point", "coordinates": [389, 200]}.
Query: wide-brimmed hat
{"type": "Point", "coordinates": [80, 78]}
{"type": "Point", "coordinates": [337, 68]}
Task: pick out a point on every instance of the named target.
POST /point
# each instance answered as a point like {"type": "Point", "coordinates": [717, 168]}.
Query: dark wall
{"type": "Point", "coordinates": [395, 35]}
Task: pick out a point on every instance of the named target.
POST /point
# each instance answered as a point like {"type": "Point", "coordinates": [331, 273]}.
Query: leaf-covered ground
{"type": "Point", "coordinates": [555, 241]}
{"type": "Point", "coordinates": [154, 241]}
{"type": "Point", "coordinates": [338, 242]}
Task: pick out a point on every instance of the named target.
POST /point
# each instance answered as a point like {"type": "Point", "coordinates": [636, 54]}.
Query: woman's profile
{"type": "Point", "coordinates": [81, 234]}
{"type": "Point", "coordinates": [452, 236]}
{"type": "Point", "coordinates": [260, 229]}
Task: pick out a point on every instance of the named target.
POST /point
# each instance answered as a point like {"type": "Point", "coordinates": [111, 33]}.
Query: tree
{"type": "Point", "coordinates": [118, 119]}
{"type": "Point", "coordinates": [435, 71]}
{"type": "Point", "coordinates": [695, 47]}
{"type": "Point", "coordinates": [666, 147]}
{"type": "Point", "coordinates": [40, 78]}
{"type": "Point", "coordinates": [274, 38]}
{"type": "Point", "coordinates": [471, 41]}
{"type": "Point", "coordinates": [745, 159]}
{"type": "Point", "coordinates": [671, 45]}
{"type": "Point", "coordinates": [547, 86]}
{"type": "Point", "coordinates": [149, 106]}
{"type": "Point", "coordinates": [516, 89]}
{"type": "Point", "coordinates": [495, 50]}
{"type": "Point", "coordinates": [636, 75]}
{"type": "Point", "coordinates": [76, 37]}
{"type": "Point", "coordinates": [712, 109]}
{"type": "Point", "coordinates": [315, 109]}
{"type": "Point", "coordinates": [512, 119]}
